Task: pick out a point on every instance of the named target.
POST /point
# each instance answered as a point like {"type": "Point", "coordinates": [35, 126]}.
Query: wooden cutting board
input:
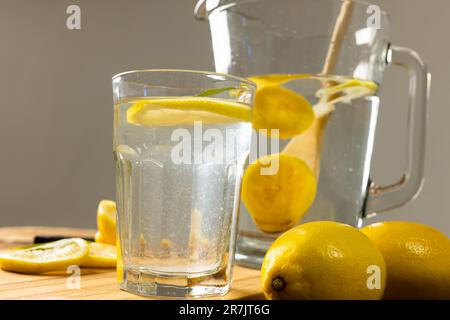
{"type": "Point", "coordinates": [95, 284]}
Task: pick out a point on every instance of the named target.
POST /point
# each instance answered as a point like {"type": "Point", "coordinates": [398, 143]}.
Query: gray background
{"type": "Point", "coordinates": [56, 104]}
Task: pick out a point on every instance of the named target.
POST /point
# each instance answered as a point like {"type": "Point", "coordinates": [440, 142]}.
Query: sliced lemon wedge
{"type": "Point", "coordinates": [106, 222]}
{"type": "Point", "coordinates": [186, 110]}
{"type": "Point", "coordinates": [101, 256]}
{"type": "Point", "coordinates": [52, 256]}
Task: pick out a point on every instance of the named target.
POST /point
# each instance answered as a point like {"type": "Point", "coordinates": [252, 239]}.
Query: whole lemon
{"type": "Point", "coordinates": [323, 260]}
{"type": "Point", "coordinates": [417, 259]}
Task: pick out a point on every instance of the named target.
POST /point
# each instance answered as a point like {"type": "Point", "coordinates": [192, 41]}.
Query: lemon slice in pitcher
{"type": "Point", "coordinates": [186, 110]}
{"type": "Point", "coordinates": [280, 108]}
{"type": "Point", "coordinates": [52, 256]}
{"type": "Point", "coordinates": [347, 91]}
{"type": "Point", "coordinates": [343, 92]}
{"type": "Point", "coordinates": [276, 79]}
{"type": "Point", "coordinates": [283, 109]}
{"type": "Point", "coordinates": [277, 200]}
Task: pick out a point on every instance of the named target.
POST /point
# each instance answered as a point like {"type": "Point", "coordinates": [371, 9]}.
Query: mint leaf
{"type": "Point", "coordinates": [213, 92]}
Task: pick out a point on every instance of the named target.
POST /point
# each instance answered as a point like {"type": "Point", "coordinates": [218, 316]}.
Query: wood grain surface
{"type": "Point", "coordinates": [96, 284]}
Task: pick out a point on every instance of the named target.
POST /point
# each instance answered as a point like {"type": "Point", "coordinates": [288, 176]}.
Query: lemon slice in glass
{"type": "Point", "coordinates": [52, 256]}
{"type": "Point", "coordinates": [186, 110]}
{"type": "Point", "coordinates": [101, 256]}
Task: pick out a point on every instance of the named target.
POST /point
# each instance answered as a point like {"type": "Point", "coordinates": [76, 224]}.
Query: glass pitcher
{"type": "Point", "coordinates": [293, 39]}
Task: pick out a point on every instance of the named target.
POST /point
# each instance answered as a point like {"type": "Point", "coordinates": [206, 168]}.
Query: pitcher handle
{"type": "Point", "coordinates": [382, 198]}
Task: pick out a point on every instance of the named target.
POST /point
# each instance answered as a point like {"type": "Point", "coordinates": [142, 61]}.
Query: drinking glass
{"type": "Point", "coordinates": [180, 142]}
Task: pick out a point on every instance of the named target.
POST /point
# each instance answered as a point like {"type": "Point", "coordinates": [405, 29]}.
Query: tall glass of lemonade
{"type": "Point", "coordinates": [180, 142]}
